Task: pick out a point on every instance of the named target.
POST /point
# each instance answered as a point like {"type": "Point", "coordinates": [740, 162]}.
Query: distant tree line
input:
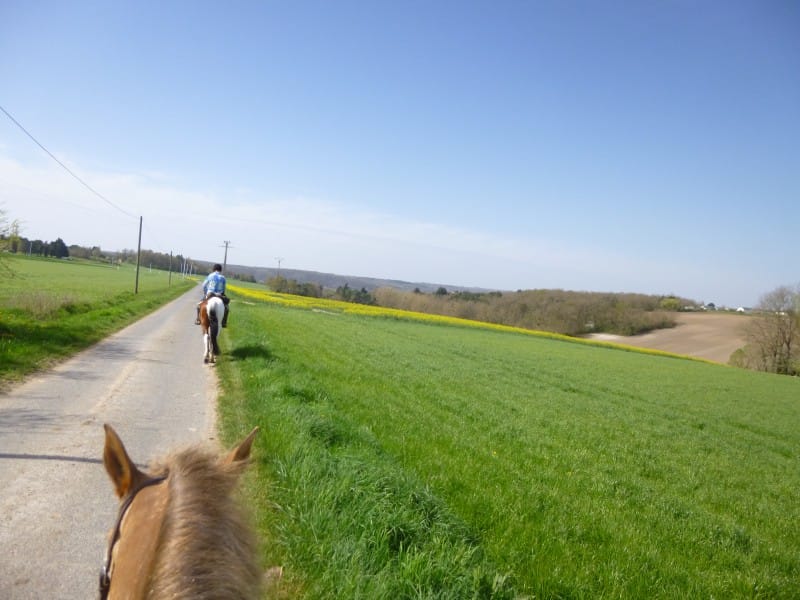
{"type": "Point", "coordinates": [348, 294]}
{"type": "Point", "coordinates": [148, 259]}
{"type": "Point", "coordinates": [570, 313]}
{"type": "Point", "coordinates": [291, 286]}
{"type": "Point", "coordinates": [315, 290]}
{"type": "Point", "coordinates": [560, 311]}
{"type": "Point", "coordinates": [11, 241]}
{"type": "Point", "coordinates": [21, 245]}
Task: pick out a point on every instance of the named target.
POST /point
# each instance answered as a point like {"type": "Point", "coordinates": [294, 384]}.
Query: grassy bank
{"type": "Point", "coordinates": [50, 308]}
{"type": "Point", "coordinates": [408, 459]}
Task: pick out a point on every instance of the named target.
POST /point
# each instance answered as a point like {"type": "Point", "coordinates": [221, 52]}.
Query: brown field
{"type": "Point", "coordinates": [709, 335]}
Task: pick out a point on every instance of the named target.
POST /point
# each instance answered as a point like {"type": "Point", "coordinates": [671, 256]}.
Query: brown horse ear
{"type": "Point", "coordinates": [120, 468]}
{"type": "Point", "coordinates": [242, 451]}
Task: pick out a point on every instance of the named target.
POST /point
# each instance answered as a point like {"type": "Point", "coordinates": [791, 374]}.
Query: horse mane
{"type": "Point", "coordinates": [207, 548]}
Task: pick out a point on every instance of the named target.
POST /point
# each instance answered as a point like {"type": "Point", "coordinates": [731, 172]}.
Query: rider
{"type": "Point", "coordinates": [214, 285]}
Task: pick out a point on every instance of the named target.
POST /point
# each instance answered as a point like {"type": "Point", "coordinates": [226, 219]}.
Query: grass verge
{"type": "Point", "coordinates": [50, 309]}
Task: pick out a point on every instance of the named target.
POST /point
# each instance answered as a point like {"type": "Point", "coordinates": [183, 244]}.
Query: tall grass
{"type": "Point", "coordinates": [50, 308]}
{"type": "Point", "coordinates": [404, 459]}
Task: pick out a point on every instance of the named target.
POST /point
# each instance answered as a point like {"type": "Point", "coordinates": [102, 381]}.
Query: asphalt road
{"type": "Point", "coordinates": [56, 501]}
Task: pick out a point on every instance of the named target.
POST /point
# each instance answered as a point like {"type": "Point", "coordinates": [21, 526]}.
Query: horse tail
{"type": "Point", "coordinates": [214, 332]}
{"type": "Point", "coordinates": [214, 308]}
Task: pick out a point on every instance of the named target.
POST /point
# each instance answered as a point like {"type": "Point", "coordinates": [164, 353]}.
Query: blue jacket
{"type": "Point", "coordinates": [215, 282]}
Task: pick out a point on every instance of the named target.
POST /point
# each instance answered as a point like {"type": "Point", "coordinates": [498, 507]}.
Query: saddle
{"type": "Point", "coordinates": [223, 297]}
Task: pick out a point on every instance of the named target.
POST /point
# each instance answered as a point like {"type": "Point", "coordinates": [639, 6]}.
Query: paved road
{"type": "Point", "coordinates": [56, 502]}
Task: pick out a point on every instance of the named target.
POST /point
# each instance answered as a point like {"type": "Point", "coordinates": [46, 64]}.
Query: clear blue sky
{"type": "Point", "coordinates": [610, 146]}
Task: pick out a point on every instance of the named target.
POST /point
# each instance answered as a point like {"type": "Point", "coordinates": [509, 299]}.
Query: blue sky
{"type": "Point", "coordinates": [609, 146]}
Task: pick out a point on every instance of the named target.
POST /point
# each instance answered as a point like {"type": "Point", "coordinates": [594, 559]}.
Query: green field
{"type": "Point", "coordinates": [403, 459]}
{"type": "Point", "coordinates": [51, 308]}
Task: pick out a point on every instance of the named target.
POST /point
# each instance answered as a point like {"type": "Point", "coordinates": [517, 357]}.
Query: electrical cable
{"type": "Point", "coordinates": [66, 168]}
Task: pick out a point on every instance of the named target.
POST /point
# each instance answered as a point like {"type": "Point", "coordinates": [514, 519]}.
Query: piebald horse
{"type": "Point", "coordinates": [212, 311]}
{"type": "Point", "coordinates": [180, 532]}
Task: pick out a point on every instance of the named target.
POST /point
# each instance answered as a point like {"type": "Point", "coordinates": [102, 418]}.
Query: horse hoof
{"type": "Point", "coordinates": [205, 360]}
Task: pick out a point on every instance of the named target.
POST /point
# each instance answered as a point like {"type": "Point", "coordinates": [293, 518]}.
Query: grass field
{"type": "Point", "coordinates": [415, 459]}
{"type": "Point", "coordinates": [50, 308]}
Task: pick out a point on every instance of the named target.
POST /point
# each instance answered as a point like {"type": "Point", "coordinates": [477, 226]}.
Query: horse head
{"type": "Point", "coordinates": [180, 532]}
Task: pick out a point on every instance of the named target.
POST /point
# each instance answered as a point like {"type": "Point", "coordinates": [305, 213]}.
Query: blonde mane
{"type": "Point", "coordinates": [180, 532]}
{"type": "Point", "coordinates": [206, 547]}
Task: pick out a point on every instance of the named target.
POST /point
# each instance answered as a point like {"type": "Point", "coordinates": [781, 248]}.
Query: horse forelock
{"type": "Point", "coordinates": [208, 549]}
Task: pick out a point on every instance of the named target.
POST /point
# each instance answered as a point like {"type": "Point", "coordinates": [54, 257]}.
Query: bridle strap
{"type": "Point", "coordinates": [105, 572]}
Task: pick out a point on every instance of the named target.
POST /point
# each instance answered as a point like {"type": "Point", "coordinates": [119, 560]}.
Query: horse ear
{"type": "Point", "coordinates": [120, 468]}
{"type": "Point", "coordinates": [242, 451]}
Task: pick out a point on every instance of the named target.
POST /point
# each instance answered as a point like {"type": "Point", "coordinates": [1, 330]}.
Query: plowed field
{"type": "Point", "coordinates": [714, 336]}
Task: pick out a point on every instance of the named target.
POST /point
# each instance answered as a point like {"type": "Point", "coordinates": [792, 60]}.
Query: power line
{"type": "Point", "coordinates": [66, 168]}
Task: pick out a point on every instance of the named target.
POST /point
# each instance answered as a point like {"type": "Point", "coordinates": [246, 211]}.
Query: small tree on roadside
{"type": "Point", "coordinates": [774, 335]}
{"type": "Point", "coordinates": [9, 238]}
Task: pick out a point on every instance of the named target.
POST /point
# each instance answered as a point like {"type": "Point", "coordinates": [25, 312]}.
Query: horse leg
{"type": "Point", "coordinates": [206, 349]}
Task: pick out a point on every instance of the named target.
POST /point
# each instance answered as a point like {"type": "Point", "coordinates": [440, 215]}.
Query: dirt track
{"type": "Point", "coordinates": [714, 336]}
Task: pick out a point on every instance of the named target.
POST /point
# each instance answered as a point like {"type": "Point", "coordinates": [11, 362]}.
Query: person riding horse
{"type": "Point", "coordinates": [214, 285]}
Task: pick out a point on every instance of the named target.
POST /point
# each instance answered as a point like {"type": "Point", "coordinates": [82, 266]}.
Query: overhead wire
{"type": "Point", "coordinates": [120, 209]}
{"type": "Point", "coordinates": [66, 168]}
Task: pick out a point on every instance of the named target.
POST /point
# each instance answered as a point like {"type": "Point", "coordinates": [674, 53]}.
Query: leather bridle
{"type": "Point", "coordinates": [105, 572]}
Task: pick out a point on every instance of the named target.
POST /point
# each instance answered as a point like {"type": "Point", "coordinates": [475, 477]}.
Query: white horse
{"type": "Point", "coordinates": [212, 311]}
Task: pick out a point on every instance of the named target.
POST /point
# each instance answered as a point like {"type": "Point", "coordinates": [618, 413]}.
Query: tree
{"type": "Point", "coordinates": [9, 238]}
{"type": "Point", "coordinates": [774, 336]}
{"type": "Point", "coordinates": [277, 284]}
{"type": "Point", "coordinates": [670, 303]}
{"type": "Point", "coordinates": [348, 294]}
{"type": "Point", "coordinates": [59, 249]}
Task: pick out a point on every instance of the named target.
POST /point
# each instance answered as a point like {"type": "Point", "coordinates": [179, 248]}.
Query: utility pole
{"type": "Point", "coordinates": [279, 259]}
{"type": "Point", "coordinates": [138, 257]}
{"type": "Point", "coordinates": [225, 261]}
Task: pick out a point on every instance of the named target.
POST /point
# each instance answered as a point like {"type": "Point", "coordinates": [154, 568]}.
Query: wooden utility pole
{"type": "Point", "coordinates": [225, 260]}
{"type": "Point", "coordinates": [138, 257]}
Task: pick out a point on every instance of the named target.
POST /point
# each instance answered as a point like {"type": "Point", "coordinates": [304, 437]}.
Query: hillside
{"type": "Point", "coordinates": [333, 280]}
